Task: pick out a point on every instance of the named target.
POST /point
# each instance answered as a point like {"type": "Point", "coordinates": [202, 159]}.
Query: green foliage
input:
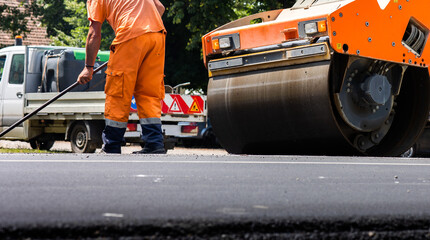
{"type": "Point", "coordinates": [186, 22]}
{"type": "Point", "coordinates": [78, 22]}
{"type": "Point", "coordinates": [75, 34]}
{"type": "Point", "coordinates": [52, 14]}
{"type": "Point", "coordinates": [200, 16]}
{"type": "Point", "coordinates": [14, 21]}
{"type": "Point", "coordinates": [28, 150]}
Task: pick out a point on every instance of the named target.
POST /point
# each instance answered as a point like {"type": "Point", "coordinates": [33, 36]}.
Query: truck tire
{"type": "Point", "coordinates": [79, 139]}
{"type": "Point", "coordinates": [41, 145]}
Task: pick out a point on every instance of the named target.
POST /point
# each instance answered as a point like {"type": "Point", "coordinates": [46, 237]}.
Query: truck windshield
{"type": "Point", "coordinates": [2, 63]}
{"type": "Point", "coordinates": [307, 3]}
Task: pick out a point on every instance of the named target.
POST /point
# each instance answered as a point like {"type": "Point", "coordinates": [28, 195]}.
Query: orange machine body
{"type": "Point", "coordinates": [381, 32]}
{"type": "Point", "coordinates": [370, 29]}
{"type": "Point", "coordinates": [276, 28]}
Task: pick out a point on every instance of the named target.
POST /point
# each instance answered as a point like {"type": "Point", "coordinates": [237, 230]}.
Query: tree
{"type": "Point", "coordinates": [186, 22]}
{"type": "Point", "coordinates": [71, 29]}
{"type": "Point", "coordinates": [13, 20]}
{"type": "Point", "coordinates": [202, 16]}
{"type": "Point", "coordinates": [78, 21]}
{"type": "Point", "coordinates": [50, 12]}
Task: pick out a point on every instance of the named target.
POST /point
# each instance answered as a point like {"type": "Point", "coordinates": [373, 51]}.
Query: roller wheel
{"type": "Point", "coordinates": [346, 106]}
{"type": "Point", "coordinates": [41, 145]}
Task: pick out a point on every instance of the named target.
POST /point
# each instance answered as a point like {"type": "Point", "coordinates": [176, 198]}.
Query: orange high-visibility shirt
{"type": "Point", "coordinates": [128, 18]}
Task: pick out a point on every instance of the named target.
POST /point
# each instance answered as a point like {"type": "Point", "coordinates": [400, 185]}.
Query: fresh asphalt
{"type": "Point", "coordinates": [200, 197]}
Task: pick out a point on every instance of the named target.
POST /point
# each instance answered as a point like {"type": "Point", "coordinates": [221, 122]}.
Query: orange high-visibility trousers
{"type": "Point", "coordinates": [136, 67]}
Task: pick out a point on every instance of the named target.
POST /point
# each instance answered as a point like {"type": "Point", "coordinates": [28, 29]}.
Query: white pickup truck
{"type": "Point", "coordinates": [31, 75]}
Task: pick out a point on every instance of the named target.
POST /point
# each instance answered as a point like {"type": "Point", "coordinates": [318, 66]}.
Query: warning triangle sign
{"type": "Point", "coordinates": [195, 107]}
{"type": "Point", "coordinates": [175, 106]}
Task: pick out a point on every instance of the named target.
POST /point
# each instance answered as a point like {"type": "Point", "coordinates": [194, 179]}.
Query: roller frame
{"type": "Point", "coordinates": [355, 30]}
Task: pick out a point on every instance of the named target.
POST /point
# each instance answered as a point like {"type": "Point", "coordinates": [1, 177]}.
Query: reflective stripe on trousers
{"type": "Point", "coordinates": [152, 133]}
{"type": "Point", "coordinates": [113, 136]}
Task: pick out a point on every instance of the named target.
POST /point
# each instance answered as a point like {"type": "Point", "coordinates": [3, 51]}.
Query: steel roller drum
{"type": "Point", "coordinates": [292, 110]}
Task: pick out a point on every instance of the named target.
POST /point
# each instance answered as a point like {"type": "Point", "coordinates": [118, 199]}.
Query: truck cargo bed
{"type": "Point", "coordinates": [73, 105]}
{"type": "Point", "coordinates": [88, 106]}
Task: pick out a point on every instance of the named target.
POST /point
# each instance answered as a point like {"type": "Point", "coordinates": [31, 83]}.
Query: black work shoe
{"type": "Point", "coordinates": [151, 151]}
{"type": "Point", "coordinates": [103, 151]}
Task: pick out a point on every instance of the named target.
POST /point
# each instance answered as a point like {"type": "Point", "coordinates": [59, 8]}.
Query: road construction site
{"type": "Point", "coordinates": [313, 104]}
{"type": "Point", "coordinates": [94, 196]}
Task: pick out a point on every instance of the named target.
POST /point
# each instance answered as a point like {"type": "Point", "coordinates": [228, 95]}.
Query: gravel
{"type": "Point", "coordinates": [65, 147]}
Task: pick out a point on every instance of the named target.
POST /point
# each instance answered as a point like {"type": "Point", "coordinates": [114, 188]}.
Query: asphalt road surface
{"type": "Point", "coordinates": [213, 197]}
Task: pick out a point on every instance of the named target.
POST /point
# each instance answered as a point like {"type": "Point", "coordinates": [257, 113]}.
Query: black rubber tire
{"type": "Point", "coordinates": [79, 140]}
{"type": "Point", "coordinates": [33, 144]}
{"type": "Point", "coordinates": [41, 145]}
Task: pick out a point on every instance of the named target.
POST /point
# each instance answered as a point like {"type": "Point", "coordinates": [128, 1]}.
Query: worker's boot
{"type": "Point", "coordinates": [152, 135]}
{"type": "Point", "coordinates": [112, 139]}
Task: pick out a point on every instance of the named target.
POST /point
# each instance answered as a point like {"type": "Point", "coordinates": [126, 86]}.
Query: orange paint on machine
{"type": "Point", "coordinates": [347, 77]}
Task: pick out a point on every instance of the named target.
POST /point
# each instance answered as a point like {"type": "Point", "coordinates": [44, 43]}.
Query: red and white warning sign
{"type": "Point", "coordinates": [175, 107]}
{"type": "Point", "coordinates": [179, 104]}
{"type": "Point", "coordinates": [183, 104]}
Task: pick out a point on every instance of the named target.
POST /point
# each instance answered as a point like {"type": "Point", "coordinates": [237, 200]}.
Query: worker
{"type": "Point", "coordinates": [18, 74]}
{"type": "Point", "coordinates": [136, 67]}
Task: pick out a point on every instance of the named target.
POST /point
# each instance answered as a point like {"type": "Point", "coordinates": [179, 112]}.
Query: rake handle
{"type": "Point", "coordinates": [26, 117]}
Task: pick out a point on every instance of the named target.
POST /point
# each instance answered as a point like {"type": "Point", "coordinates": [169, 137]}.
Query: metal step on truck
{"type": "Point", "coordinates": [32, 75]}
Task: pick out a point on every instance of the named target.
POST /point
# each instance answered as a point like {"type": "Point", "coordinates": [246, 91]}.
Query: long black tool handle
{"type": "Point", "coordinates": [26, 117]}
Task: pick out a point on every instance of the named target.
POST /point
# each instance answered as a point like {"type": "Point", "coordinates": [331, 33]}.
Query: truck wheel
{"type": "Point", "coordinates": [79, 140]}
{"type": "Point", "coordinates": [41, 145]}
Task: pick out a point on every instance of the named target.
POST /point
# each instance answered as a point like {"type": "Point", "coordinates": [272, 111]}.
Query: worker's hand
{"type": "Point", "coordinates": [86, 75]}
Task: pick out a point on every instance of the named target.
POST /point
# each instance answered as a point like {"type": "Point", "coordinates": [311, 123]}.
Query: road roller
{"type": "Point", "coordinates": [324, 77]}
